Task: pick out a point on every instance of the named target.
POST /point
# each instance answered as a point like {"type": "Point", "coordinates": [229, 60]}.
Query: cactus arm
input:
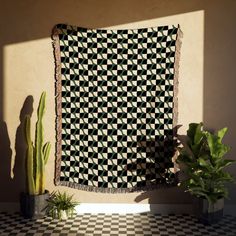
{"type": "Point", "coordinates": [37, 155]}
{"type": "Point", "coordinates": [29, 157]}
{"type": "Point", "coordinates": [45, 155]}
{"type": "Point", "coordinates": [46, 151]}
{"type": "Point", "coordinates": [39, 183]}
{"type": "Point", "coordinates": [42, 175]}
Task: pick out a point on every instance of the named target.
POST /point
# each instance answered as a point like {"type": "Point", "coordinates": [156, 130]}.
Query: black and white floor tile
{"type": "Point", "coordinates": [116, 225]}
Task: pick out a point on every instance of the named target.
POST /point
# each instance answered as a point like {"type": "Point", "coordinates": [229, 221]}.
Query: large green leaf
{"type": "Point", "coordinates": [198, 134]}
{"type": "Point", "coordinates": [221, 133]}
{"type": "Point", "coordinates": [191, 132]}
{"type": "Point", "coordinates": [217, 148]}
{"type": "Point", "coordinates": [196, 138]}
{"type": "Point", "coordinates": [29, 157]}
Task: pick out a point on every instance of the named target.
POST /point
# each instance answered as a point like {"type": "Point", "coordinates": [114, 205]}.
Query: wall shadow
{"type": "Point", "coordinates": [5, 160]}
{"type": "Point", "coordinates": [20, 145]}
{"type": "Point", "coordinates": [157, 168]}
{"type": "Point", "coordinates": [12, 186]}
{"type": "Point", "coordinates": [166, 189]}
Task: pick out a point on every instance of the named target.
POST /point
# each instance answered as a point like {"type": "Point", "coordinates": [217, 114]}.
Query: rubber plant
{"type": "Point", "coordinates": [37, 153]}
{"type": "Point", "coordinates": [203, 157]}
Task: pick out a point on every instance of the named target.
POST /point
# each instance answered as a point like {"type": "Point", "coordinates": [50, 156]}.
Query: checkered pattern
{"type": "Point", "coordinates": [116, 225]}
{"type": "Point", "coordinates": [117, 89]}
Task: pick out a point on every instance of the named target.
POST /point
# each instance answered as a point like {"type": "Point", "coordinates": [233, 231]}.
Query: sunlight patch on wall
{"type": "Point", "coordinates": [191, 62]}
{"type": "Point", "coordinates": [28, 70]}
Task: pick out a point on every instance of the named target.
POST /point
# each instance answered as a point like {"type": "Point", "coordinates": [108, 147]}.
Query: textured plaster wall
{"type": "Point", "coordinates": [206, 84]}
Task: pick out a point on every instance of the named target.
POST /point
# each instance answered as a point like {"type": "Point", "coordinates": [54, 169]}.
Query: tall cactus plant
{"type": "Point", "coordinates": [37, 153]}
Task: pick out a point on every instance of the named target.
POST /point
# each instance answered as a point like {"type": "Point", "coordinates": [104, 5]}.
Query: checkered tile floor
{"type": "Point", "coordinates": [116, 225]}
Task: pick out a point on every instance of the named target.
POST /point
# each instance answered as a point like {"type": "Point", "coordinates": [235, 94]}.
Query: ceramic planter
{"type": "Point", "coordinates": [33, 206]}
{"type": "Point", "coordinates": [63, 215]}
{"type": "Point", "coordinates": [209, 213]}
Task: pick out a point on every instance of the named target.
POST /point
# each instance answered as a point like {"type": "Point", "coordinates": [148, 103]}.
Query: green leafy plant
{"type": "Point", "coordinates": [37, 153]}
{"type": "Point", "coordinates": [202, 156]}
{"type": "Point", "coordinates": [59, 202]}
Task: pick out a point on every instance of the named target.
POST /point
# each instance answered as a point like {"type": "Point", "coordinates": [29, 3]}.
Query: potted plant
{"type": "Point", "coordinates": [33, 202]}
{"type": "Point", "coordinates": [61, 205]}
{"type": "Point", "coordinates": [202, 156]}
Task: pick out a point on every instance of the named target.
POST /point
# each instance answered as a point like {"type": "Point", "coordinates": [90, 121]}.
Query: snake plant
{"type": "Point", "coordinates": [203, 157]}
{"type": "Point", "coordinates": [37, 153]}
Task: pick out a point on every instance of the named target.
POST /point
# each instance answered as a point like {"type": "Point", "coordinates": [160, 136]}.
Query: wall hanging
{"type": "Point", "coordinates": [116, 97]}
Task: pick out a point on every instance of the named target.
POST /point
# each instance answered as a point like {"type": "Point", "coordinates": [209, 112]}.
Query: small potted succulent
{"type": "Point", "coordinates": [61, 205]}
{"type": "Point", "coordinates": [33, 201]}
{"type": "Point", "coordinates": [202, 159]}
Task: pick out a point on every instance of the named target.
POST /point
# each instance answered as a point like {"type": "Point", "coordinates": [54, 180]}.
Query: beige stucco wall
{"type": "Point", "coordinates": [27, 68]}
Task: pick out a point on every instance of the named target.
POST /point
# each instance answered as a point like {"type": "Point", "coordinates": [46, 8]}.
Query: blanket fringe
{"type": "Point", "coordinates": [117, 190]}
{"type": "Point", "coordinates": [178, 45]}
{"type": "Point", "coordinates": [57, 57]}
{"type": "Point", "coordinates": [176, 75]}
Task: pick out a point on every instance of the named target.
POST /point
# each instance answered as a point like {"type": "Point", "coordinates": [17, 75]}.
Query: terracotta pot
{"type": "Point", "coordinates": [33, 206]}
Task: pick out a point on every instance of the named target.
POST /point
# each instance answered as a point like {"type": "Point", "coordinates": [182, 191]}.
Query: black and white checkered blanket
{"type": "Point", "coordinates": [116, 107]}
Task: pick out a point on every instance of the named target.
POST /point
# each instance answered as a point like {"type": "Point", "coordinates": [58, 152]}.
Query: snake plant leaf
{"type": "Point", "coordinates": [29, 156]}
{"type": "Point", "coordinates": [37, 153]}
{"type": "Point", "coordinates": [42, 106]}
{"type": "Point", "coordinates": [38, 146]}
{"type": "Point", "coordinates": [46, 152]}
